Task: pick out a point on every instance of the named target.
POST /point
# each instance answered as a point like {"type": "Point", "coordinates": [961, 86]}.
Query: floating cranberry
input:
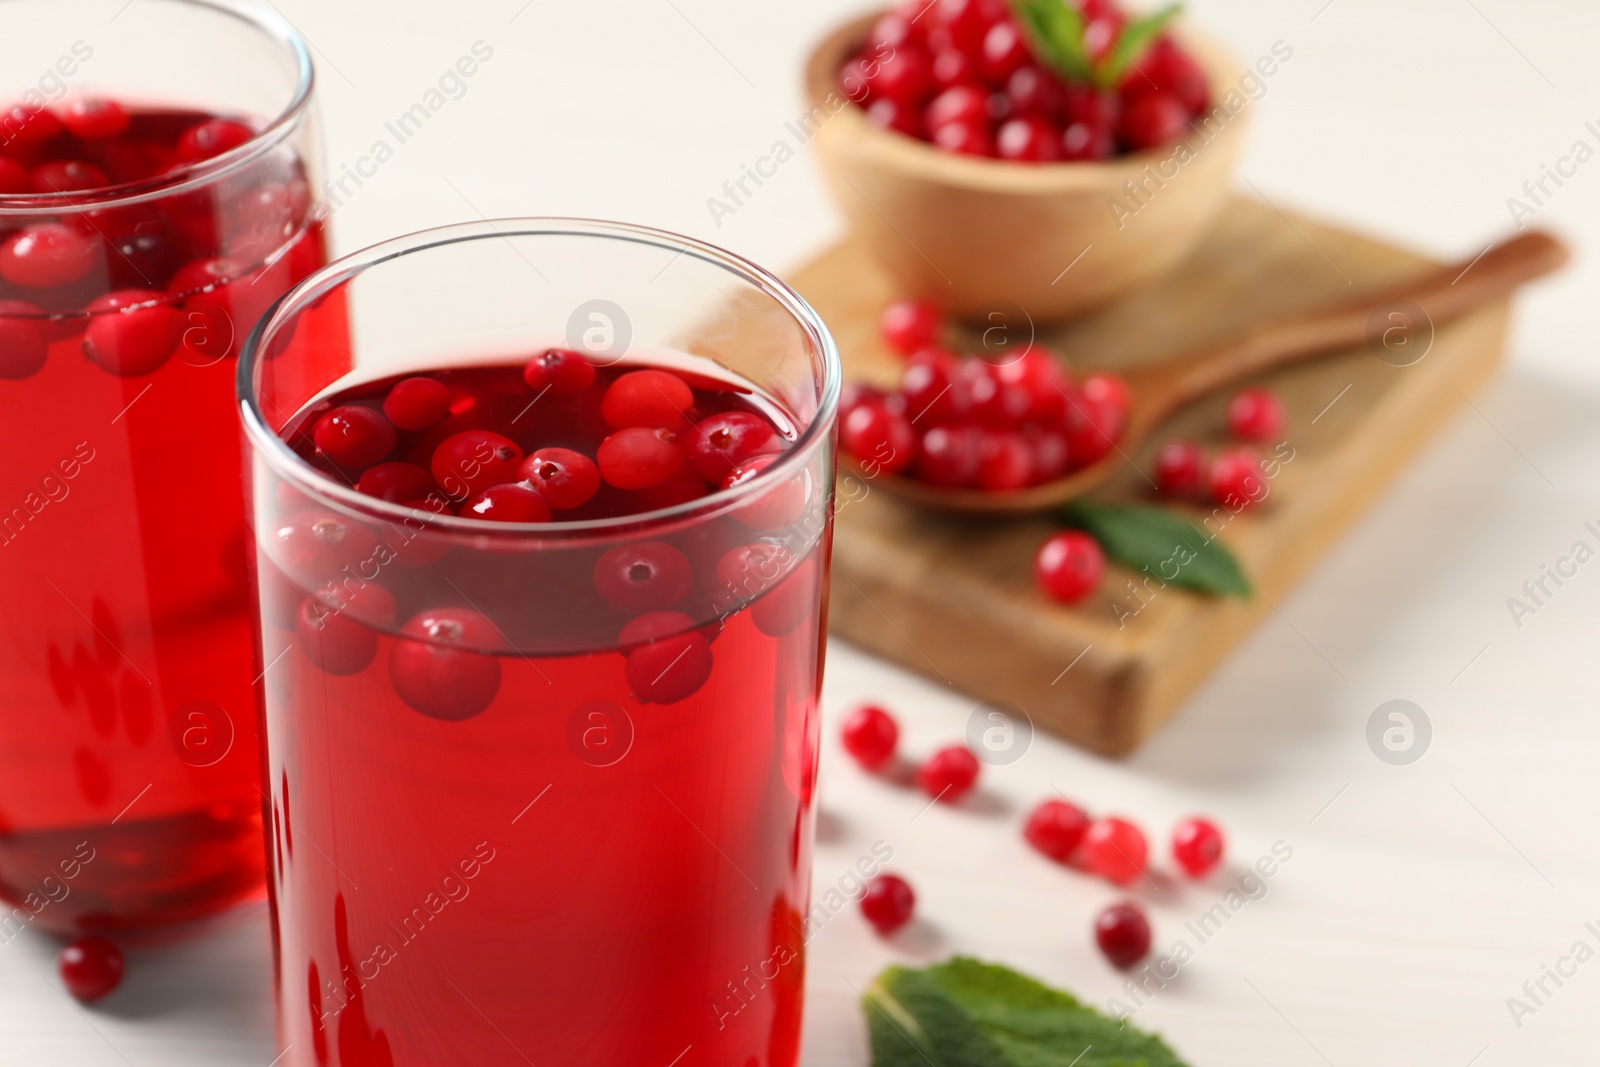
{"type": "Point", "coordinates": [639, 457]}
{"type": "Point", "coordinates": [1123, 934]}
{"type": "Point", "coordinates": [94, 117]}
{"type": "Point", "coordinates": [1005, 461]}
{"type": "Point", "coordinates": [643, 576]}
{"type": "Point", "coordinates": [335, 626]}
{"type": "Point", "coordinates": [870, 734]}
{"type": "Point", "coordinates": [560, 371]}
{"type": "Point", "coordinates": [1069, 566]}
{"type": "Point", "coordinates": [131, 331]}
{"type": "Point", "coordinates": [949, 773]}
{"type": "Point", "coordinates": [1152, 120]}
{"type": "Point", "coordinates": [779, 504]}
{"type": "Point", "coordinates": [1197, 846]}
{"type": "Point", "coordinates": [909, 325]}
{"type": "Point", "coordinates": [472, 460]}
{"type": "Point", "coordinates": [668, 669]}
{"type": "Point", "coordinates": [144, 257]}
{"type": "Point", "coordinates": [211, 138]}
{"type": "Point", "coordinates": [1178, 465]}
{"type": "Point", "coordinates": [46, 255]}
{"type": "Point", "coordinates": [888, 903]}
{"type": "Point", "coordinates": [1056, 828]}
{"type": "Point", "coordinates": [417, 403]}
{"type": "Point", "coordinates": [1028, 139]}
{"type": "Point", "coordinates": [1235, 478]}
{"type": "Point", "coordinates": [14, 177]}
{"type": "Point", "coordinates": [964, 137]}
{"type": "Point", "coordinates": [67, 176]}
{"type": "Point", "coordinates": [783, 591]}
{"type": "Point", "coordinates": [23, 344]}
{"type": "Point", "coordinates": [881, 439]}
{"type": "Point", "coordinates": [316, 548]}
{"type": "Point", "coordinates": [719, 445]}
{"type": "Point", "coordinates": [1255, 415]}
{"type": "Point", "coordinates": [91, 968]}
{"type": "Point", "coordinates": [354, 436]}
{"type": "Point", "coordinates": [396, 482]}
{"type": "Point", "coordinates": [27, 127]}
{"type": "Point", "coordinates": [566, 479]}
{"type": "Point", "coordinates": [447, 670]}
{"type": "Point", "coordinates": [509, 502]}
{"type": "Point", "coordinates": [1115, 849]}
{"type": "Point", "coordinates": [654, 399]}
{"type": "Point", "coordinates": [948, 455]}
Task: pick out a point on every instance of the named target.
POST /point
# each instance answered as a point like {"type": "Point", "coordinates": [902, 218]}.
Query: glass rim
{"type": "Point", "coordinates": [192, 176]}
{"type": "Point", "coordinates": [289, 465]}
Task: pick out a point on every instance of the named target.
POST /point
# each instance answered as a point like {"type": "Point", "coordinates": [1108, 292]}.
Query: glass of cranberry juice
{"type": "Point", "coordinates": [155, 197]}
{"type": "Point", "coordinates": [541, 562]}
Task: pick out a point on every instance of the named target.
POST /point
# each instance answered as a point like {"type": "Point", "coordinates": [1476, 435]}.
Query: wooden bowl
{"type": "Point", "coordinates": [974, 235]}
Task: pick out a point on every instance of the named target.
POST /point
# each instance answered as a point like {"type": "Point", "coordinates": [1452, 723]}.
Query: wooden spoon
{"type": "Point", "coordinates": [1163, 386]}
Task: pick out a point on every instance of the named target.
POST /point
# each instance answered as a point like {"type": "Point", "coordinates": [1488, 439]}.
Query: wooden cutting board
{"type": "Point", "coordinates": [954, 598]}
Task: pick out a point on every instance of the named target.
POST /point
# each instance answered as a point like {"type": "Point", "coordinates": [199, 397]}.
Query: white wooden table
{"type": "Point", "coordinates": [1419, 898]}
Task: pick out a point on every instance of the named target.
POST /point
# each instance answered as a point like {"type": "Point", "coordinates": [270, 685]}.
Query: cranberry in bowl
{"type": "Point", "coordinates": [977, 155]}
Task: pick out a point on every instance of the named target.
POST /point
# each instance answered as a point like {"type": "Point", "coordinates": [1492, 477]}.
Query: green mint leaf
{"type": "Point", "coordinates": [1132, 43]}
{"type": "Point", "coordinates": [966, 1013]}
{"type": "Point", "coordinates": [1055, 29]}
{"type": "Point", "coordinates": [1163, 544]}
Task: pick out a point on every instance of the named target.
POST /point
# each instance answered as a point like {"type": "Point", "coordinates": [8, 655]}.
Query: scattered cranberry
{"type": "Point", "coordinates": [446, 669]}
{"type": "Point", "coordinates": [67, 176]}
{"type": "Point", "coordinates": [1255, 415]}
{"type": "Point", "coordinates": [23, 344]}
{"type": "Point", "coordinates": [566, 479]}
{"type": "Point", "coordinates": [1123, 934]}
{"type": "Point", "coordinates": [1056, 828]}
{"type": "Point", "coordinates": [211, 138]}
{"type": "Point", "coordinates": [91, 968]}
{"type": "Point", "coordinates": [335, 635]}
{"type": "Point", "coordinates": [560, 371]}
{"type": "Point", "coordinates": [417, 403]}
{"type": "Point", "coordinates": [1069, 566]}
{"type": "Point", "coordinates": [509, 502]}
{"type": "Point", "coordinates": [472, 460]}
{"type": "Point", "coordinates": [870, 735]}
{"type": "Point", "coordinates": [46, 255]}
{"type": "Point", "coordinates": [653, 399]}
{"type": "Point", "coordinates": [888, 903]}
{"type": "Point", "coordinates": [909, 325]}
{"type": "Point", "coordinates": [354, 436]}
{"type": "Point", "coordinates": [639, 457]}
{"type": "Point", "coordinates": [132, 331]}
{"type": "Point", "coordinates": [643, 576]}
{"type": "Point", "coordinates": [1197, 846]}
{"type": "Point", "coordinates": [1178, 465]}
{"type": "Point", "coordinates": [1235, 478]}
{"type": "Point", "coordinates": [1115, 849]}
{"type": "Point", "coordinates": [949, 773]}
{"type": "Point", "coordinates": [92, 118]}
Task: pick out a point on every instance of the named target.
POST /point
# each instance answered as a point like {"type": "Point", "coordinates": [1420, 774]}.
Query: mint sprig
{"type": "Point", "coordinates": [1056, 29]}
{"type": "Point", "coordinates": [966, 1013]}
{"type": "Point", "coordinates": [1163, 544]}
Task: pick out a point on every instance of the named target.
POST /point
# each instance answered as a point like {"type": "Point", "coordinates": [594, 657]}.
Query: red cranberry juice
{"type": "Point", "coordinates": [546, 805]}
{"type": "Point", "coordinates": [128, 766]}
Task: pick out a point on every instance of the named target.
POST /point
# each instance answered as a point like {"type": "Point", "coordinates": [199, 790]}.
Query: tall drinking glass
{"type": "Point", "coordinates": [156, 185]}
{"type": "Point", "coordinates": [541, 791]}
